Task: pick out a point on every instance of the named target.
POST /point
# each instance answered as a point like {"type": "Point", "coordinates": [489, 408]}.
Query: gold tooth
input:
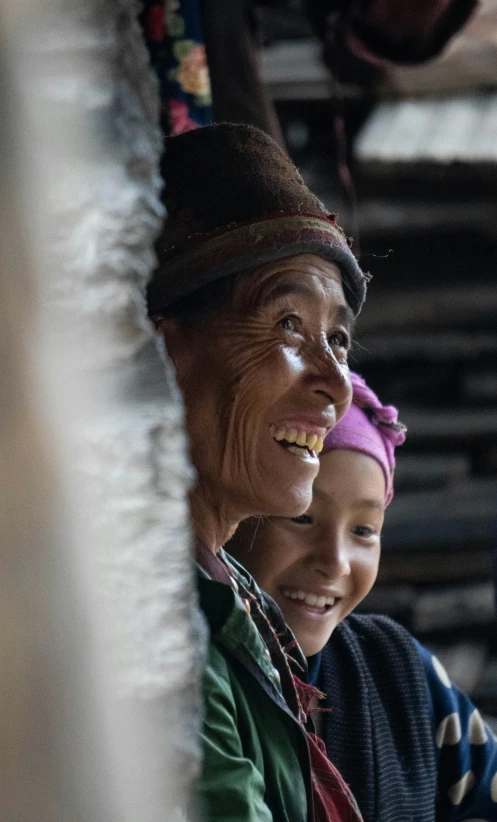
{"type": "Point", "coordinates": [319, 445]}
{"type": "Point", "coordinates": [279, 434]}
{"type": "Point", "coordinates": [311, 441]}
{"type": "Point", "coordinates": [291, 435]}
{"type": "Point", "coordinates": [301, 438]}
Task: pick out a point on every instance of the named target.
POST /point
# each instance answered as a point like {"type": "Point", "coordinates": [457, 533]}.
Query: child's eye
{"type": "Point", "coordinates": [304, 519]}
{"type": "Point", "coordinates": [364, 531]}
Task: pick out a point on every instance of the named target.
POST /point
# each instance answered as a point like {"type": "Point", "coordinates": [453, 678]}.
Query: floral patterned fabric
{"type": "Point", "coordinates": [173, 31]}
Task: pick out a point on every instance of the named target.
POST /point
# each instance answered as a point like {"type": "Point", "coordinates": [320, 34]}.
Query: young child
{"type": "Point", "coordinates": [409, 742]}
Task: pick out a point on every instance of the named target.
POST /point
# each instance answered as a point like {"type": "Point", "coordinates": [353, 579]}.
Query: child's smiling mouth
{"type": "Point", "coordinates": [315, 604]}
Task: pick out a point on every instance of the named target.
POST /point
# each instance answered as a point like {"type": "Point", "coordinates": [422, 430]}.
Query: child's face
{"type": "Point", "coordinates": [330, 553]}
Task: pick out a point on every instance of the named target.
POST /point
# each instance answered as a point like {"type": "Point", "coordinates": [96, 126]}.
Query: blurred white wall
{"type": "Point", "coordinates": [100, 639]}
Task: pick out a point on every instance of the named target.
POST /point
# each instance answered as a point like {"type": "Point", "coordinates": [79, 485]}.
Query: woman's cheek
{"type": "Point", "coordinates": [266, 369]}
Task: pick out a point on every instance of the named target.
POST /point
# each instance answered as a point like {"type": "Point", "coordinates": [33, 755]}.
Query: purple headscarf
{"type": "Point", "coordinates": [369, 427]}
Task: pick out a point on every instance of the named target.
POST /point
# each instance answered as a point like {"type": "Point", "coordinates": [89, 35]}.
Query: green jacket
{"type": "Point", "coordinates": [256, 765]}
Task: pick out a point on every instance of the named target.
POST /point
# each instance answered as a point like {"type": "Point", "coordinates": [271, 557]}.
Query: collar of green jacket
{"type": "Point", "coordinates": [234, 629]}
{"type": "Point", "coordinates": [247, 669]}
{"type": "Point", "coordinates": [242, 679]}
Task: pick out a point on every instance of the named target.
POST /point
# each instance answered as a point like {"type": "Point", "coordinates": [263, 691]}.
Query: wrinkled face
{"type": "Point", "coordinates": [264, 380]}
{"type": "Point", "coordinates": [319, 566]}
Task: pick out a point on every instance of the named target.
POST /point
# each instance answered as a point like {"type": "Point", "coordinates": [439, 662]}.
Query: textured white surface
{"type": "Point", "coordinates": [130, 705]}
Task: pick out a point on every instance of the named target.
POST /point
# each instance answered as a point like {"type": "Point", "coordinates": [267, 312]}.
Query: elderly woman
{"type": "Point", "coordinates": [255, 295]}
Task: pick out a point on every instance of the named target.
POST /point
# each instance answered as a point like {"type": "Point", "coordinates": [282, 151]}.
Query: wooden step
{"type": "Point", "coordinates": [434, 346]}
{"type": "Point", "coordinates": [480, 385]}
{"type": "Point", "coordinates": [439, 307]}
{"type": "Point", "coordinates": [463, 514]}
{"type": "Point", "coordinates": [454, 607]}
{"type": "Point", "coordinates": [422, 471]}
{"type": "Point", "coordinates": [459, 425]}
{"type": "Point", "coordinates": [435, 130]}
{"type": "Point", "coordinates": [435, 565]}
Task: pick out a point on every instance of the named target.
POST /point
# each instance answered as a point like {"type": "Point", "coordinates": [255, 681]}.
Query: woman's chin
{"type": "Point", "coordinates": [288, 487]}
{"type": "Point", "coordinates": [280, 490]}
{"type": "Point", "coordinates": [293, 502]}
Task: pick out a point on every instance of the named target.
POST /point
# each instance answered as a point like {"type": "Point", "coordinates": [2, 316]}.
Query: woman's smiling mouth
{"type": "Point", "coordinates": [303, 442]}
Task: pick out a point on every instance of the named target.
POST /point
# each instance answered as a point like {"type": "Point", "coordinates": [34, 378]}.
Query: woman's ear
{"type": "Point", "coordinates": [173, 334]}
{"type": "Point", "coordinates": [169, 328]}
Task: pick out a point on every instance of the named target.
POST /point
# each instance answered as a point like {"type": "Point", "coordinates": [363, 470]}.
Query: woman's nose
{"type": "Point", "coordinates": [330, 378]}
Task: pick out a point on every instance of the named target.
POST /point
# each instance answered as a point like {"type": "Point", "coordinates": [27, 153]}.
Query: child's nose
{"type": "Point", "coordinates": [331, 558]}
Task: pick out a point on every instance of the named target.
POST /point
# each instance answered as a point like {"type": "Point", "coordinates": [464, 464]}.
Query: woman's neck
{"type": "Point", "coordinates": [213, 523]}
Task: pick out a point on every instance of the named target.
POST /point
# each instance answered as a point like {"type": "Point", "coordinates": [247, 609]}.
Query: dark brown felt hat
{"type": "Point", "coordinates": [236, 201]}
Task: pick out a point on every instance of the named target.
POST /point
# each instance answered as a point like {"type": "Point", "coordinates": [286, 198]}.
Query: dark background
{"type": "Point", "coordinates": [420, 146]}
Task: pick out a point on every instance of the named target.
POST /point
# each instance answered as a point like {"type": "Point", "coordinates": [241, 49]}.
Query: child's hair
{"type": "Point", "coordinates": [370, 427]}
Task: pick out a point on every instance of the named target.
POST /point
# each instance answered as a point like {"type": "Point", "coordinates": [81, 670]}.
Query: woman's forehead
{"type": "Point", "coordinates": [305, 276]}
{"type": "Point", "coordinates": [306, 267]}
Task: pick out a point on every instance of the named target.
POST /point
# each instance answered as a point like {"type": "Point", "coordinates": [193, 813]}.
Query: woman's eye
{"type": "Point", "coordinates": [304, 519]}
{"type": "Point", "coordinates": [288, 323]}
{"type": "Point", "coordinates": [338, 339]}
